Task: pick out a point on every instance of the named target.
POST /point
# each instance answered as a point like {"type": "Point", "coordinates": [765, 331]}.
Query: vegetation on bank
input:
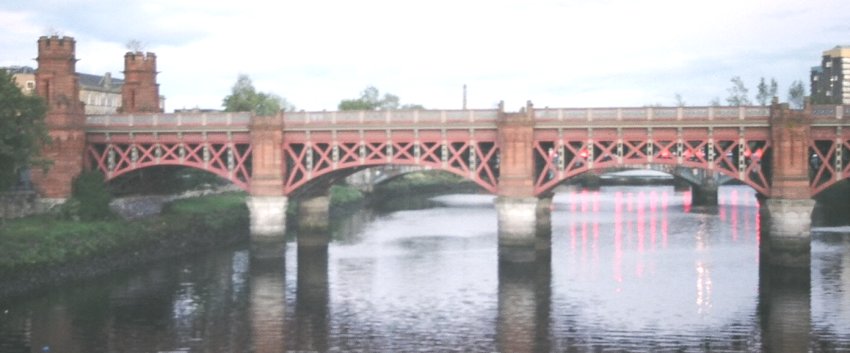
{"type": "Point", "coordinates": [424, 182]}
{"type": "Point", "coordinates": [49, 240]}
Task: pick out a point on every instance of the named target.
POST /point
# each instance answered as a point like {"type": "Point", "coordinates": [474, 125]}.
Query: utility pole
{"type": "Point", "coordinates": [464, 96]}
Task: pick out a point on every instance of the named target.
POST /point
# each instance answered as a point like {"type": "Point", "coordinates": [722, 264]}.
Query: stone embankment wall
{"type": "Point", "coordinates": [16, 204]}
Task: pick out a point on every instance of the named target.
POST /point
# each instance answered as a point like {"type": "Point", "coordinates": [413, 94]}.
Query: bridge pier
{"type": "Point", "coordinates": [313, 220]}
{"type": "Point", "coordinates": [786, 232]}
{"type": "Point", "coordinates": [543, 231]}
{"type": "Point", "coordinates": [704, 194]}
{"type": "Point", "coordinates": [517, 218]}
{"type": "Point", "coordinates": [268, 226]}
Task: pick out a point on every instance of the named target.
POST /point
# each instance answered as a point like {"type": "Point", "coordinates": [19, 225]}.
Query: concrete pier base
{"type": "Point", "coordinates": [543, 231]}
{"type": "Point", "coordinates": [517, 228]}
{"type": "Point", "coordinates": [704, 194]}
{"type": "Point", "coordinates": [268, 225]}
{"type": "Point", "coordinates": [313, 221]}
{"type": "Point", "coordinates": [680, 184]}
{"type": "Point", "coordinates": [786, 232]}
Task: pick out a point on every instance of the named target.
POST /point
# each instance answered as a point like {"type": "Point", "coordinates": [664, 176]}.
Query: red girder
{"type": "Point", "coordinates": [558, 158]}
{"type": "Point", "coordinates": [307, 158]}
{"type": "Point", "coordinates": [829, 162]}
{"type": "Point", "coordinates": [116, 159]}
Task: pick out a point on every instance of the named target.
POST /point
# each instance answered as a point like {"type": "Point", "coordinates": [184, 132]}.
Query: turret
{"type": "Point", "coordinates": [140, 93]}
{"type": "Point", "coordinates": [57, 82]}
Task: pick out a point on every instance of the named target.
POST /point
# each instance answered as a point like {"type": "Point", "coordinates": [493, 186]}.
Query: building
{"type": "Point", "coordinates": [830, 82]}
{"type": "Point", "coordinates": [101, 94]}
{"type": "Point", "coordinates": [24, 77]}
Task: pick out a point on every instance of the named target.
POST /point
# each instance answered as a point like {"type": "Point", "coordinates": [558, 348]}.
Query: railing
{"type": "Point", "coordinates": [748, 113]}
{"type": "Point", "coordinates": [175, 120]}
{"type": "Point", "coordinates": [830, 112]}
{"type": "Point", "coordinates": [390, 118]}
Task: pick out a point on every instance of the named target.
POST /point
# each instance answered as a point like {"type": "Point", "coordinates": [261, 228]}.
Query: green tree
{"type": "Point", "coordinates": [738, 93]}
{"type": "Point", "coordinates": [766, 93]}
{"type": "Point", "coordinates": [22, 131]}
{"type": "Point", "coordinates": [680, 102]}
{"type": "Point", "coordinates": [245, 98]}
{"type": "Point", "coordinates": [796, 94]}
{"type": "Point", "coordinates": [370, 99]}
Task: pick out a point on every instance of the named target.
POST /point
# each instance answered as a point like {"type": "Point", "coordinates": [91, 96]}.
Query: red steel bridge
{"type": "Point", "coordinates": [543, 146]}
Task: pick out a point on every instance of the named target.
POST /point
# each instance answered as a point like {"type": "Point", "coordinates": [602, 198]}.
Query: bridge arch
{"type": "Point", "coordinates": [735, 157]}
{"type": "Point", "coordinates": [472, 157]}
{"type": "Point", "coordinates": [228, 160]}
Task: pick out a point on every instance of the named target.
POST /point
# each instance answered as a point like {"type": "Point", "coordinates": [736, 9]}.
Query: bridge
{"type": "Point", "coordinates": [786, 155]}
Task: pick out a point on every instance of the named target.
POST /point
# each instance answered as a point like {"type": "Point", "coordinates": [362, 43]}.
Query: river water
{"type": "Point", "coordinates": [631, 269]}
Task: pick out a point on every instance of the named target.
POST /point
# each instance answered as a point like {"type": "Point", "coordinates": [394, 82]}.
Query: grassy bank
{"type": "Point", "coordinates": [45, 243]}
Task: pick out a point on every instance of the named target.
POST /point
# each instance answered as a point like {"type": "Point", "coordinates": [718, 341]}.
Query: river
{"type": "Point", "coordinates": [631, 269]}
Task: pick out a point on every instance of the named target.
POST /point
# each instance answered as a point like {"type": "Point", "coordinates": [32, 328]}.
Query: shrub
{"type": "Point", "coordinates": [90, 198]}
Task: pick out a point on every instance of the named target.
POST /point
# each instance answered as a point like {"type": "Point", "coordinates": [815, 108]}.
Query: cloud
{"type": "Point", "coordinates": [611, 52]}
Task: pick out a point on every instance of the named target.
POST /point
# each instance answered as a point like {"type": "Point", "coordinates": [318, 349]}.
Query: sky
{"type": "Point", "coordinates": [567, 53]}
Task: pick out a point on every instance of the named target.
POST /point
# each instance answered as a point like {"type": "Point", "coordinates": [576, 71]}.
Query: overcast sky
{"type": "Point", "coordinates": [567, 53]}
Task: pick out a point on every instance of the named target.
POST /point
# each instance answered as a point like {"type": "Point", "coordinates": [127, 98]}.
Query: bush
{"type": "Point", "coordinates": [89, 198]}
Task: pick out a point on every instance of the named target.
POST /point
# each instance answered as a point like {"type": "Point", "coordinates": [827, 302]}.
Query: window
{"type": "Point", "coordinates": [828, 64]}
{"type": "Point", "coordinates": [30, 85]}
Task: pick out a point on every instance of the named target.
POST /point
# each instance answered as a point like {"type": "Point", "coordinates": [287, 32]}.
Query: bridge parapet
{"type": "Point", "coordinates": [232, 121]}
{"type": "Point", "coordinates": [830, 113]}
{"type": "Point", "coordinates": [360, 119]}
{"type": "Point", "coordinates": [648, 114]}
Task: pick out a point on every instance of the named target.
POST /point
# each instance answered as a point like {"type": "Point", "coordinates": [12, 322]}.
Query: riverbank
{"type": "Point", "coordinates": [44, 250]}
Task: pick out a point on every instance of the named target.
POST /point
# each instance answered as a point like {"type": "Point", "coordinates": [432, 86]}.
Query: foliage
{"type": "Point", "coordinates": [796, 94]}
{"type": "Point", "coordinates": [245, 98]}
{"type": "Point", "coordinates": [765, 92]}
{"type": "Point", "coordinates": [22, 131]}
{"type": "Point", "coordinates": [738, 93]}
{"type": "Point", "coordinates": [343, 194]}
{"type": "Point", "coordinates": [370, 99]}
{"type": "Point", "coordinates": [680, 102]}
{"type": "Point", "coordinates": [44, 241]}
{"type": "Point", "coordinates": [89, 198]}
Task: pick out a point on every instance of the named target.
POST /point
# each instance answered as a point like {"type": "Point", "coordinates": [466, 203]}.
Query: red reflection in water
{"type": "Point", "coordinates": [733, 203]}
{"type": "Point", "coordinates": [638, 219]}
{"type": "Point", "coordinates": [618, 237]}
{"type": "Point", "coordinates": [641, 199]}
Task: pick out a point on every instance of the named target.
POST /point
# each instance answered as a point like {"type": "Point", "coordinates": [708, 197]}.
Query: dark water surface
{"type": "Point", "coordinates": [631, 269]}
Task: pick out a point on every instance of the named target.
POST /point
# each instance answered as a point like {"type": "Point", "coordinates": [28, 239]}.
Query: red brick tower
{"type": "Point", "coordinates": [57, 82]}
{"type": "Point", "coordinates": [140, 93]}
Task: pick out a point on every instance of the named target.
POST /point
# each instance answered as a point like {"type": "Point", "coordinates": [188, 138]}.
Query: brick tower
{"type": "Point", "coordinates": [140, 93]}
{"type": "Point", "coordinates": [57, 82]}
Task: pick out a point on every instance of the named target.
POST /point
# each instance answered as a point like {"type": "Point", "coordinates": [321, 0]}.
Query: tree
{"type": "Point", "coordinates": [796, 94]}
{"type": "Point", "coordinates": [762, 97]}
{"type": "Point", "coordinates": [738, 93]}
{"type": "Point", "coordinates": [370, 99]}
{"type": "Point", "coordinates": [245, 98]}
{"type": "Point", "coordinates": [680, 102]}
{"type": "Point", "coordinates": [22, 131]}
{"type": "Point", "coordinates": [765, 92]}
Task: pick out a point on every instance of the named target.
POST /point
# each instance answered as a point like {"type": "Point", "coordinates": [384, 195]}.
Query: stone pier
{"type": "Point", "coordinates": [704, 194]}
{"type": "Point", "coordinates": [543, 232]}
{"type": "Point", "coordinates": [268, 226]}
{"type": "Point", "coordinates": [517, 218]}
{"type": "Point", "coordinates": [313, 220]}
{"type": "Point", "coordinates": [786, 230]}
